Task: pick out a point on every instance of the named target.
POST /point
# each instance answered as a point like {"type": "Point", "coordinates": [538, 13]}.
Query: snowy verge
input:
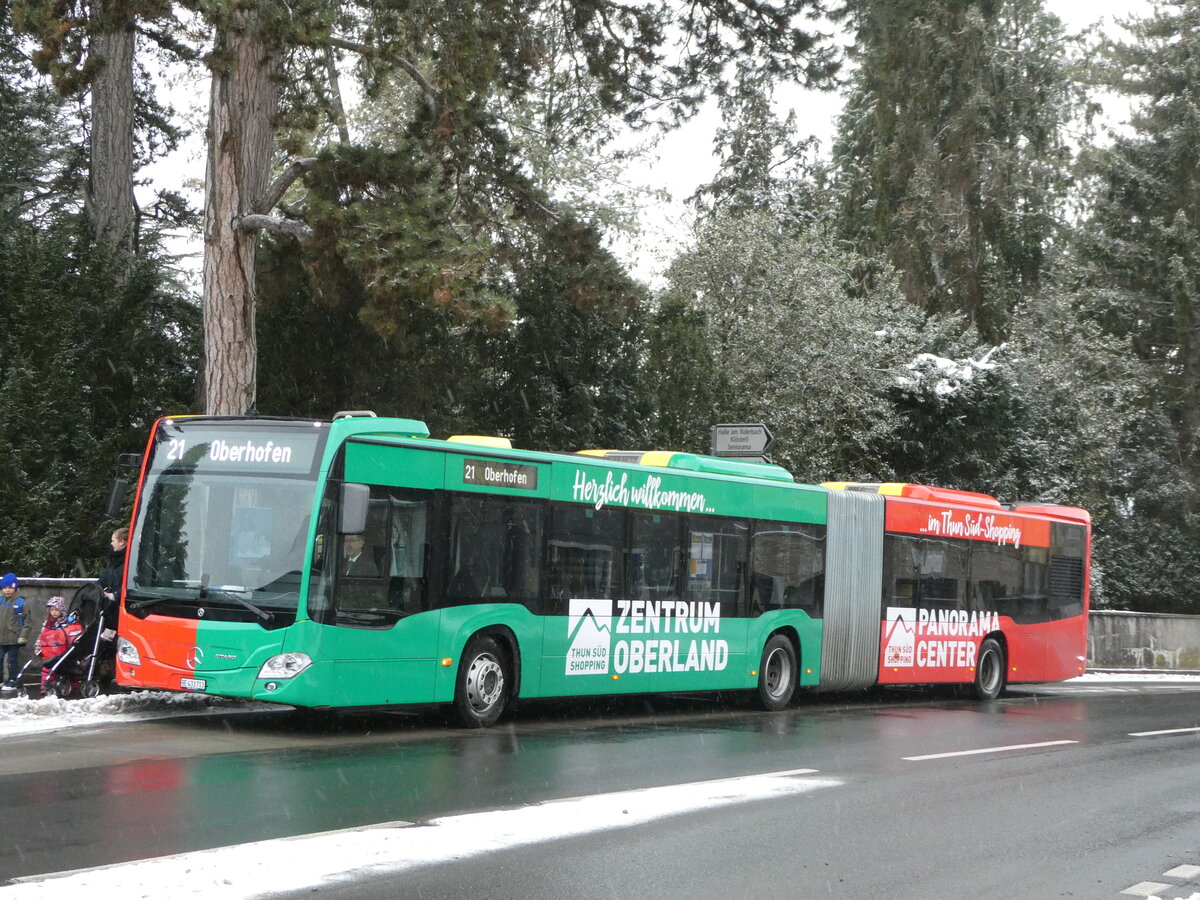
{"type": "Point", "coordinates": [21, 715]}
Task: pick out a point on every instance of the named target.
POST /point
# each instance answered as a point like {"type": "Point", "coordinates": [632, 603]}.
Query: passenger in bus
{"type": "Point", "coordinates": [472, 579]}
{"type": "Point", "coordinates": [357, 562]}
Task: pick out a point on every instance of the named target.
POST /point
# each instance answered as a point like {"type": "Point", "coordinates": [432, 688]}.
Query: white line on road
{"type": "Point", "coordinates": [291, 864]}
{"type": "Point", "coordinates": [987, 750]}
{"type": "Point", "coordinates": [1164, 731]}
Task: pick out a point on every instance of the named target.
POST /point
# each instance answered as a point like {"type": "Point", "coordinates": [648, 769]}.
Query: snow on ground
{"type": "Point", "coordinates": [22, 715]}
{"type": "Point", "coordinates": [307, 862]}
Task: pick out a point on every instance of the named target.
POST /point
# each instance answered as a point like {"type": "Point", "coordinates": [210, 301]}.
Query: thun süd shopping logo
{"type": "Point", "coordinates": [589, 626]}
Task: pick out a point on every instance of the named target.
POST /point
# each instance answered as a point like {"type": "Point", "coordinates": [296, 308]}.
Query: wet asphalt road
{"type": "Point", "coordinates": [1088, 818]}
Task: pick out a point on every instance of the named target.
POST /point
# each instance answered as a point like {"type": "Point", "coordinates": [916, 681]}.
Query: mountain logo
{"type": "Point", "coordinates": [589, 632]}
{"type": "Point", "coordinates": [901, 636]}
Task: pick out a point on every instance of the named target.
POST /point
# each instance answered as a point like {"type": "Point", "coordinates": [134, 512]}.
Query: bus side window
{"type": "Point", "coordinates": [717, 562]}
{"type": "Point", "coordinates": [585, 549]}
{"type": "Point", "coordinates": [787, 563]}
{"type": "Point", "coordinates": [495, 550]}
{"type": "Point", "coordinates": [407, 552]}
{"type": "Point", "coordinates": [655, 556]}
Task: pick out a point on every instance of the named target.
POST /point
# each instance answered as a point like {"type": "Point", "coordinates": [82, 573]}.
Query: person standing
{"type": "Point", "coordinates": [112, 576]}
{"type": "Point", "coordinates": [14, 627]}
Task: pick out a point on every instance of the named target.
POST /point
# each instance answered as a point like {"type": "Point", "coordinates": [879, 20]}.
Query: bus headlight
{"type": "Point", "coordinates": [285, 665]}
{"type": "Point", "coordinates": [127, 653]}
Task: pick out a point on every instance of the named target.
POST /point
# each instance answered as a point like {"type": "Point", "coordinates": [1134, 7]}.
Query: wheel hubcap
{"type": "Point", "coordinates": [485, 682]}
{"type": "Point", "coordinates": [777, 671]}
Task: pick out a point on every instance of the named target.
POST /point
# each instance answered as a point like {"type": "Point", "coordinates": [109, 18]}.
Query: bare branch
{"type": "Point", "coordinates": [276, 225]}
{"type": "Point", "coordinates": [285, 180]}
{"type": "Point", "coordinates": [431, 95]}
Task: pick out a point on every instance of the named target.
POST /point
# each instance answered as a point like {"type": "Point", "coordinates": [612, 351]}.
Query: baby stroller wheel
{"type": "Point", "coordinates": [89, 689]}
{"type": "Point", "coordinates": [62, 688]}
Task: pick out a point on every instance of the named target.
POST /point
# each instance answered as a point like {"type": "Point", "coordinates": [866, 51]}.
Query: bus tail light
{"type": "Point", "coordinates": [127, 653]}
{"type": "Point", "coordinates": [285, 665]}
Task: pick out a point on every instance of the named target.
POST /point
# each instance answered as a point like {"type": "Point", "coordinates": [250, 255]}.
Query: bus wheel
{"type": "Point", "coordinates": [777, 674]}
{"type": "Point", "coordinates": [989, 670]}
{"type": "Point", "coordinates": [484, 683]}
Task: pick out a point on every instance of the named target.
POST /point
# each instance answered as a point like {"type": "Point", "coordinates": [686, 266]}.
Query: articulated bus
{"type": "Point", "coordinates": [359, 562]}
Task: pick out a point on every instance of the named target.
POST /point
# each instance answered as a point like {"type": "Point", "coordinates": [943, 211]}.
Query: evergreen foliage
{"type": "Point", "coordinates": [86, 364]}
{"type": "Point", "coordinates": [952, 151]}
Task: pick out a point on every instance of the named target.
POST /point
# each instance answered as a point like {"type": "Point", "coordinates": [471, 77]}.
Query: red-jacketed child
{"type": "Point", "coordinates": [58, 634]}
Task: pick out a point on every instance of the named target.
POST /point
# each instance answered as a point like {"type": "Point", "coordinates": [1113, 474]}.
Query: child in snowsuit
{"type": "Point", "coordinates": [14, 627]}
{"type": "Point", "coordinates": [58, 634]}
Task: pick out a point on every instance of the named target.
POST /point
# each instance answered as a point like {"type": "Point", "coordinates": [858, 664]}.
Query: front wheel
{"type": "Point", "coordinates": [777, 674]}
{"type": "Point", "coordinates": [484, 684]}
{"type": "Point", "coordinates": [989, 670]}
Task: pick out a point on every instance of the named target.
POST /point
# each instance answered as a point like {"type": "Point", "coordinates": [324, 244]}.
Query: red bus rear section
{"type": "Point", "coordinates": [960, 569]}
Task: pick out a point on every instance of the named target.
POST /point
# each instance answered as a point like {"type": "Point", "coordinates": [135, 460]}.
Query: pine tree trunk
{"type": "Point", "coordinates": [240, 142]}
{"type": "Point", "coordinates": [110, 188]}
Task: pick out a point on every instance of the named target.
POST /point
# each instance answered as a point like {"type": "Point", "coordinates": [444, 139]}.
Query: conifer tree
{"type": "Point", "coordinates": [951, 152]}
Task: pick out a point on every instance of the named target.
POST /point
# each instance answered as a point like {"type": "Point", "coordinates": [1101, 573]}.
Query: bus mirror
{"type": "Point", "coordinates": [355, 499]}
{"type": "Point", "coordinates": [116, 497]}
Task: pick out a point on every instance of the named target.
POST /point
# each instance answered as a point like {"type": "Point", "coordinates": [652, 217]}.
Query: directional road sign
{"type": "Point", "coordinates": [740, 440]}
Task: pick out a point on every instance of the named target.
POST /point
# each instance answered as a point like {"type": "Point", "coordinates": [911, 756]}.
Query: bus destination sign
{"type": "Point", "coordinates": [494, 474]}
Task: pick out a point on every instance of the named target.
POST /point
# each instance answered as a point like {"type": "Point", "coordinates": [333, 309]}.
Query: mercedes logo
{"type": "Point", "coordinates": [200, 613]}
{"type": "Point", "coordinates": [195, 657]}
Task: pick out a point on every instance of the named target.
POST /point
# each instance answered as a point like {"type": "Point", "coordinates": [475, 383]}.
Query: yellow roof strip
{"type": "Point", "coordinates": [482, 440]}
{"type": "Point", "coordinates": [660, 458]}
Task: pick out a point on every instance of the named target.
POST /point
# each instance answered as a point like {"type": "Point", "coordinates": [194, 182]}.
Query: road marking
{"type": "Point", "coordinates": [986, 750]}
{"type": "Point", "coordinates": [1164, 731]}
{"type": "Point", "coordinates": [1183, 872]}
{"type": "Point", "coordinates": [1146, 889]}
{"type": "Point", "coordinates": [291, 864]}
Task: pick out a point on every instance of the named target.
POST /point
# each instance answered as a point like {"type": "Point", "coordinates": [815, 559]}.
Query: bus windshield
{"type": "Point", "coordinates": [224, 520]}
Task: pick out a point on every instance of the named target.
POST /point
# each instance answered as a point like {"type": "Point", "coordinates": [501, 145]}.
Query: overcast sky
{"type": "Point", "coordinates": [682, 161]}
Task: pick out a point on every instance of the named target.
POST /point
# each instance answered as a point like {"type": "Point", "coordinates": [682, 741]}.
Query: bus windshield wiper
{"type": "Point", "coordinates": [236, 598]}
{"type": "Point", "coordinates": [134, 600]}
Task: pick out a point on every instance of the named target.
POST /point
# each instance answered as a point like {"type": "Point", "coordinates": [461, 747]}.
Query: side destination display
{"type": "Point", "coordinates": [496, 474]}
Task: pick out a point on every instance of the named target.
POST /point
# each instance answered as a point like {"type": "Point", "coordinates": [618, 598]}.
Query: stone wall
{"type": "Point", "coordinates": [36, 592]}
{"type": "Point", "coordinates": [1116, 639]}
{"type": "Point", "coordinates": [1132, 640]}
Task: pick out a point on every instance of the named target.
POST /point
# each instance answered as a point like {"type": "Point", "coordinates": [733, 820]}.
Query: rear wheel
{"type": "Point", "coordinates": [777, 674]}
{"type": "Point", "coordinates": [484, 684]}
{"type": "Point", "coordinates": [989, 670]}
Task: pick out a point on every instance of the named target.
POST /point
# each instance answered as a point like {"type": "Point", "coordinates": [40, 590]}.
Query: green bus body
{"type": "Point", "coordinates": [361, 563]}
{"type": "Point", "coordinates": [188, 642]}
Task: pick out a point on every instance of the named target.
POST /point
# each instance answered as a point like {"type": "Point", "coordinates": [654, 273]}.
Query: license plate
{"type": "Point", "coordinates": [192, 684]}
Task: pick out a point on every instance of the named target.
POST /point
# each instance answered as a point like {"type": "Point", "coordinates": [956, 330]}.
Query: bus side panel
{"type": "Point", "coordinates": [808, 633]}
{"type": "Point", "coordinates": [361, 666]}
{"type": "Point", "coordinates": [612, 647]}
{"type": "Point", "coordinates": [460, 623]}
{"type": "Point", "coordinates": [1063, 654]}
{"type": "Point", "coordinates": [394, 466]}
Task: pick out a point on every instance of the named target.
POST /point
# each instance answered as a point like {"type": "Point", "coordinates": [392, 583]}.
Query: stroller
{"type": "Point", "coordinates": [90, 660]}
